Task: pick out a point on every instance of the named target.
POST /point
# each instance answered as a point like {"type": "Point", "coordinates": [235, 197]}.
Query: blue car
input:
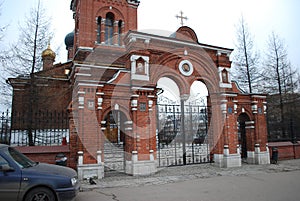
{"type": "Point", "coordinates": [21, 179]}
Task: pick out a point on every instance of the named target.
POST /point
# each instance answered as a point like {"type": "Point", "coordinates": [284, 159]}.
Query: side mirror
{"type": "Point", "coordinates": [6, 168]}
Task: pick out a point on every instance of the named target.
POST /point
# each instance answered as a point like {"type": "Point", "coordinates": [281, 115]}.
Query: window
{"type": "Point", "coordinates": [140, 66]}
{"type": "Point", "coordinates": [3, 161]}
{"type": "Point", "coordinates": [120, 31]}
{"type": "Point", "coordinates": [99, 19]}
{"type": "Point", "coordinates": [109, 28]}
{"type": "Point", "coordinates": [224, 76]}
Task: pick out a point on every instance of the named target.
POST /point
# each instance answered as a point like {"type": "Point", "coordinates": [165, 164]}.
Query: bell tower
{"type": "Point", "coordinates": [102, 22]}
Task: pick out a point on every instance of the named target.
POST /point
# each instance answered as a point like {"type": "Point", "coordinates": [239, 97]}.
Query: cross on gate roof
{"type": "Point", "coordinates": [181, 17]}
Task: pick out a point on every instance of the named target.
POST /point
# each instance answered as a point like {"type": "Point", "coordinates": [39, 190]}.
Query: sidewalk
{"type": "Point", "coordinates": [188, 172]}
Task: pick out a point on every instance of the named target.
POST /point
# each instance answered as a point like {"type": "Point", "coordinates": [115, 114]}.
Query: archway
{"type": "Point", "coordinates": [114, 131]}
{"type": "Point", "coordinates": [114, 154]}
{"type": "Point", "coordinates": [182, 136]}
{"type": "Point", "coordinates": [242, 135]}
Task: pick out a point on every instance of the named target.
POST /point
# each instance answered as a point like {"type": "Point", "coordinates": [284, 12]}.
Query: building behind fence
{"type": "Point", "coordinates": [47, 128]}
{"type": "Point", "coordinates": [288, 128]}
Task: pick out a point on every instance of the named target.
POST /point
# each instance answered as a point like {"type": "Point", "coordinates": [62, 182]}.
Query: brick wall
{"type": "Point", "coordinates": [45, 154]}
{"type": "Point", "coordinates": [286, 150]}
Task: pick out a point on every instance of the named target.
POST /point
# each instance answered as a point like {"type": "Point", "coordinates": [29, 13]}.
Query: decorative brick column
{"type": "Point", "coordinates": [231, 157]}
{"type": "Point", "coordinates": [261, 151]}
{"type": "Point", "coordinates": [87, 103]}
{"type": "Point", "coordinates": [141, 160]}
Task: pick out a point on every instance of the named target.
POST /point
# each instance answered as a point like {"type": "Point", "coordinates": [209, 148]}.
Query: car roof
{"type": "Point", "coordinates": [3, 146]}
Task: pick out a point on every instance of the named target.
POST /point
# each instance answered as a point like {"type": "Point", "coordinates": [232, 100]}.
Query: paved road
{"type": "Point", "coordinates": [264, 183]}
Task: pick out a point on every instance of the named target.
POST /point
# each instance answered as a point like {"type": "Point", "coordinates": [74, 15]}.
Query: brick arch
{"type": "Point", "coordinates": [247, 137]}
{"type": "Point", "coordinates": [204, 70]}
{"type": "Point", "coordinates": [104, 10]}
{"type": "Point", "coordinates": [247, 112]}
{"type": "Point", "coordinates": [164, 71]}
{"type": "Point", "coordinates": [121, 109]}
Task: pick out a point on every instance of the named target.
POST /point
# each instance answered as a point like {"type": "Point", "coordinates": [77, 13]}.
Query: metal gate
{"type": "Point", "coordinates": [182, 133]}
{"type": "Point", "coordinates": [114, 154]}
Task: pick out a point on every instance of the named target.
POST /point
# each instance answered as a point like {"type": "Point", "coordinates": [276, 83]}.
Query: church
{"type": "Point", "coordinates": [116, 89]}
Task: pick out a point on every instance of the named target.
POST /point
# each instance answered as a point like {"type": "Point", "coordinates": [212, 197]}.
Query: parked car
{"type": "Point", "coordinates": [21, 179]}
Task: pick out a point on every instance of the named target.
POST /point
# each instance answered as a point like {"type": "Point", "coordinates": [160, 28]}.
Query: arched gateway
{"type": "Point", "coordinates": [116, 99]}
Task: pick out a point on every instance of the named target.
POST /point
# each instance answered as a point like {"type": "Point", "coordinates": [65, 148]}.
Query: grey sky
{"type": "Point", "coordinates": [213, 21]}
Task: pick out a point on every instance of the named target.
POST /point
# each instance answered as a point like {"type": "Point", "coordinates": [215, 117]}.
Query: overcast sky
{"type": "Point", "coordinates": [213, 21]}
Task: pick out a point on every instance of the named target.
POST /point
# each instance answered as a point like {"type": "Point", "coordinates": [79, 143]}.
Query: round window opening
{"type": "Point", "coordinates": [186, 68]}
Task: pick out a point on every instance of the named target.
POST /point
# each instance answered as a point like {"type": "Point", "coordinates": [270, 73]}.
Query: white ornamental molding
{"type": "Point", "coordinates": [139, 67]}
{"type": "Point", "coordinates": [186, 68]}
{"type": "Point", "coordinates": [80, 102]}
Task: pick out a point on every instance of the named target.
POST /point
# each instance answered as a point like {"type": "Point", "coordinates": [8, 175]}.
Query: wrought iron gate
{"type": "Point", "coordinates": [114, 154]}
{"type": "Point", "coordinates": [182, 133]}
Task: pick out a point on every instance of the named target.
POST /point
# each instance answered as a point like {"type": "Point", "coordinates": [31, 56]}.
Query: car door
{"type": "Point", "coordinates": [9, 181]}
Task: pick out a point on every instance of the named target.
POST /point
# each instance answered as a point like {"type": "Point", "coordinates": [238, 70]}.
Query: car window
{"type": "Point", "coordinates": [3, 161]}
{"type": "Point", "coordinates": [20, 158]}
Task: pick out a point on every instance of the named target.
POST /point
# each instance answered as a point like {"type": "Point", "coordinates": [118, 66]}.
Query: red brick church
{"type": "Point", "coordinates": [120, 118]}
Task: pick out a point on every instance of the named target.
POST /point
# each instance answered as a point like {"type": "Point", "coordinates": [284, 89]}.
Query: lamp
{"type": "Point", "coordinates": [67, 71]}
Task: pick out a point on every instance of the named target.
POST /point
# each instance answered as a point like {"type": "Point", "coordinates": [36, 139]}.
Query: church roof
{"type": "Point", "coordinates": [185, 33]}
{"type": "Point", "coordinates": [48, 53]}
{"type": "Point", "coordinates": [69, 40]}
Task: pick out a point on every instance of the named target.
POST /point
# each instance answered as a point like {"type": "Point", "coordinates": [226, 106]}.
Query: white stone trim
{"type": "Point", "coordinates": [232, 160]}
{"type": "Point", "coordinates": [228, 95]}
{"type": "Point", "coordinates": [182, 71]}
{"type": "Point", "coordinates": [128, 122]}
{"type": "Point", "coordinates": [259, 96]}
{"type": "Point", "coordinates": [218, 160]}
{"type": "Point", "coordinates": [85, 48]}
{"type": "Point", "coordinates": [134, 74]}
{"type": "Point", "coordinates": [225, 85]}
{"type": "Point", "coordinates": [222, 84]}
{"type": "Point", "coordinates": [142, 88]}
{"type": "Point", "coordinates": [89, 66]}
{"type": "Point", "coordinates": [173, 40]}
{"type": "Point", "coordinates": [83, 74]}
{"type": "Point", "coordinates": [90, 85]}
{"type": "Point", "coordinates": [115, 76]}
{"type": "Point", "coordinates": [87, 171]}
{"type": "Point", "coordinates": [251, 157]}
{"type": "Point", "coordinates": [262, 158]}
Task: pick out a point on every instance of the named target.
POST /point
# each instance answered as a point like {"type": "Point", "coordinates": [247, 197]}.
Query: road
{"type": "Point", "coordinates": [262, 186]}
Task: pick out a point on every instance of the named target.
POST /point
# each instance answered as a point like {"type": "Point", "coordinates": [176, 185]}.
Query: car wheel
{"type": "Point", "coordinates": [40, 194]}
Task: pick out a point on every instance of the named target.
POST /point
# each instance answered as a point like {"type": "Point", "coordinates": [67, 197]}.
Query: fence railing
{"type": "Point", "coordinates": [44, 128]}
{"type": "Point", "coordinates": [5, 128]}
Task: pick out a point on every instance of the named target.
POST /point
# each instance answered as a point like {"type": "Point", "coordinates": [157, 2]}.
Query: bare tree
{"type": "Point", "coordinates": [33, 39]}
{"type": "Point", "coordinates": [25, 56]}
{"type": "Point", "coordinates": [279, 75]}
{"type": "Point", "coordinates": [246, 60]}
{"type": "Point", "coordinates": [3, 58]}
{"type": "Point", "coordinates": [2, 27]}
{"type": "Point", "coordinates": [280, 80]}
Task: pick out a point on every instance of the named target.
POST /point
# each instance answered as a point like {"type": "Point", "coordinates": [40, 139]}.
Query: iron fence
{"type": "Point", "coordinates": [45, 128]}
{"type": "Point", "coordinates": [178, 147]}
{"type": "Point", "coordinates": [5, 128]}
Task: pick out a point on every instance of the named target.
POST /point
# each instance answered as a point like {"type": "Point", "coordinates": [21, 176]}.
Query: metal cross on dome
{"type": "Point", "coordinates": [181, 18]}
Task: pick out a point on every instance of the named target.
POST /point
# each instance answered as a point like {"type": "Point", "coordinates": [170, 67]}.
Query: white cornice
{"type": "Point", "coordinates": [145, 36]}
{"type": "Point", "coordinates": [99, 66]}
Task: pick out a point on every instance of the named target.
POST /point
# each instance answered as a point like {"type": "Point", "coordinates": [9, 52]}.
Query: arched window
{"type": "Point", "coordinates": [120, 31]}
{"type": "Point", "coordinates": [225, 76]}
{"type": "Point", "coordinates": [99, 19]}
{"type": "Point", "coordinates": [109, 28]}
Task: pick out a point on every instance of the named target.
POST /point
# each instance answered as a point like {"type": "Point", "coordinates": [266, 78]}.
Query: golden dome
{"type": "Point", "coordinates": [48, 53]}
